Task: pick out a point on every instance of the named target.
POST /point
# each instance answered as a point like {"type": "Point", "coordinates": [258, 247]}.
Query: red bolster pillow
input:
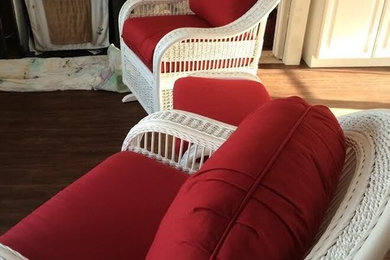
{"type": "Point", "coordinates": [263, 194]}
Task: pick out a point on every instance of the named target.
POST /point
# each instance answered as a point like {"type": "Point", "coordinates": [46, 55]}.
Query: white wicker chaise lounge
{"type": "Point", "coordinates": [357, 225]}
{"type": "Point", "coordinates": [235, 47]}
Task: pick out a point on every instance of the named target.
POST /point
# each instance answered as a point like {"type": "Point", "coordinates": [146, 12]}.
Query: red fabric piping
{"type": "Point", "coordinates": [255, 185]}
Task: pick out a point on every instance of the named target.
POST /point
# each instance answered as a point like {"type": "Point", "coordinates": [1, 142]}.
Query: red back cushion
{"type": "Point", "coordinates": [215, 97]}
{"type": "Point", "coordinates": [263, 194]}
{"type": "Point", "coordinates": [220, 12]}
{"type": "Point", "coordinates": [142, 34]}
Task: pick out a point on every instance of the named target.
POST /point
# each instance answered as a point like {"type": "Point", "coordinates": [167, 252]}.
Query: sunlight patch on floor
{"type": "Point", "coordinates": [343, 111]}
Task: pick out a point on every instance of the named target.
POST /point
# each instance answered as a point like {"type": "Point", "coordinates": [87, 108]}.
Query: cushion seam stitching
{"type": "Point", "coordinates": [259, 177]}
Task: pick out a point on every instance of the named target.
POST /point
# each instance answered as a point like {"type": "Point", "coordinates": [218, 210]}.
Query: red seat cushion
{"type": "Point", "coordinates": [221, 12]}
{"type": "Point", "coordinates": [110, 213]}
{"type": "Point", "coordinates": [263, 194]}
{"type": "Point", "coordinates": [142, 34]}
{"type": "Point", "coordinates": [226, 100]}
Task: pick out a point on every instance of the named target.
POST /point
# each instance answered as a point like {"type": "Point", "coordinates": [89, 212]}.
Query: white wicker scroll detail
{"type": "Point", "coordinates": [167, 135]}
{"type": "Point", "coordinates": [235, 47]}
{"type": "Point", "coordinates": [7, 253]}
{"type": "Point", "coordinates": [359, 215]}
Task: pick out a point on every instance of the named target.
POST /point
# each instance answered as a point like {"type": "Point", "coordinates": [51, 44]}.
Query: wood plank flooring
{"type": "Point", "coordinates": [354, 88]}
{"type": "Point", "coordinates": [48, 140]}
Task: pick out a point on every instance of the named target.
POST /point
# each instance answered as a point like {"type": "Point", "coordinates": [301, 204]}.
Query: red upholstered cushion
{"type": "Point", "coordinates": [226, 100]}
{"type": "Point", "coordinates": [263, 194]}
{"type": "Point", "coordinates": [221, 12]}
{"type": "Point", "coordinates": [112, 212]}
{"type": "Point", "coordinates": [142, 34]}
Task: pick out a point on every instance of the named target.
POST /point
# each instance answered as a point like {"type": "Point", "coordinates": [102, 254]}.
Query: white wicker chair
{"type": "Point", "coordinates": [237, 44]}
{"type": "Point", "coordinates": [358, 219]}
{"type": "Point", "coordinates": [357, 224]}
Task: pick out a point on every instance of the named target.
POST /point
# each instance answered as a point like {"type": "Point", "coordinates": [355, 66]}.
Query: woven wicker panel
{"type": "Point", "coordinates": [167, 100]}
{"type": "Point", "coordinates": [139, 85]}
{"type": "Point", "coordinates": [69, 22]}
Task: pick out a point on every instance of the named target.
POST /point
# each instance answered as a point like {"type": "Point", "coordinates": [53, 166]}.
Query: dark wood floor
{"type": "Point", "coordinates": [48, 140]}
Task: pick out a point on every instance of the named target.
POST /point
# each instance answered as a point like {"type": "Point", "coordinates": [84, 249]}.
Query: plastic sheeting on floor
{"type": "Point", "coordinates": [101, 72]}
{"type": "Point", "coordinates": [53, 22]}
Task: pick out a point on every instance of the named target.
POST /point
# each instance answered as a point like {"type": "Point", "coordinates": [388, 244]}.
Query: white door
{"type": "Point", "coordinates": [382, 45]}
{"type": "Point", "coordinates": [350, 28]}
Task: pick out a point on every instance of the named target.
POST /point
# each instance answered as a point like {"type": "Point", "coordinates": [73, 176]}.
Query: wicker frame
{"type": "Point", "coordinates": [358, 219]}
{"type": "Point", "coordinates": [238, 44]}
{"type": "Point", "coordinates": [156, 136]}
{"type": "Point", "coordinates": [7, 253]}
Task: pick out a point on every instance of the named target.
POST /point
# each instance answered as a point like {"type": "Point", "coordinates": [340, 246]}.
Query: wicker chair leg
{"type": "Point", "coordinates": [129, 98]}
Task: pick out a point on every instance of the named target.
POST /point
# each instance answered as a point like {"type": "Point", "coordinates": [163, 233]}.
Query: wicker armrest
{"type": "Point", "coordinates": [7, 253]}
{"type": "Point", "coordinates": [233, 40]}
{"type": "Point", "coordinates": [358, 220]}
{"type": "Point", "coordinates": [167, 135]}
{"type": "Point", "coordinates": [142, 8]}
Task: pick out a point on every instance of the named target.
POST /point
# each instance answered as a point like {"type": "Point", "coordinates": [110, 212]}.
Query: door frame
{"type": "Point", "coordinates": [290, 30]}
